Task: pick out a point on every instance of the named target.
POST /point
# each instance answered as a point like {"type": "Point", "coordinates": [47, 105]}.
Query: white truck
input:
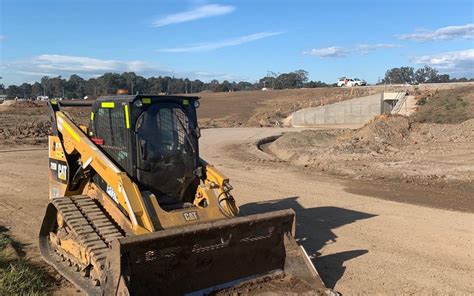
{"type": "Point", "coordinates": [350, 82]}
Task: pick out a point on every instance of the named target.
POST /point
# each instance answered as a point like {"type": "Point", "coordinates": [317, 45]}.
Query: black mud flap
{"type": "Point", "coordinates": [189, 259]}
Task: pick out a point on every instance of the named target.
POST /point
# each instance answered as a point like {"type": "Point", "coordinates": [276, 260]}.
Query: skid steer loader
{"type": "Point", "coordinates": [134, 210]}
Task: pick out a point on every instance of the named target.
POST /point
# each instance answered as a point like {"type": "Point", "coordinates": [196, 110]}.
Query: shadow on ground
{"type": "Point", "coordinates": [19, 247]}
{"type": "Point", "coordinates": [314, 230]}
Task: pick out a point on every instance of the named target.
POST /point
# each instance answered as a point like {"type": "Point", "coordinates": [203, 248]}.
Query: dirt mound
{"type": "Point", "coordinates": [27, 122]}
{"type": "Point", "coordinates": [278, 285]}
{"type": "Point", "coordinates": [389, 147]}
{"type": "Point", "coordinates": [382, 133]}
{"type": "Point", "coordinates": [22, 104]}
{"type": "Point", "coordinates": [33, 132]}
{"type": "Point", "coordinates": [7, 103]}
{"type": "Point", "coordinates": [300, 147]}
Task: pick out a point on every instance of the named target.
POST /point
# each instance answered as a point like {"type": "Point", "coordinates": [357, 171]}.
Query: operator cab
{"type": "Point", "coordinates": [154, 139]}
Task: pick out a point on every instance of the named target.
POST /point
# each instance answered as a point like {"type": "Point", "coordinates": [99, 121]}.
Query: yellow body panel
{"type": "Point", "coordinates": [144, 213]}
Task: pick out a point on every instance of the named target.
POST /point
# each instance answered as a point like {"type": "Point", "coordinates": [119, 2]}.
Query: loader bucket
{"type": "Point", "coordinates": [189, 259]}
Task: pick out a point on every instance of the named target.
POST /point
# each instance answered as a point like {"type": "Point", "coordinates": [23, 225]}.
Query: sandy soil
{"type": "Point", "coordinates": [358, 243]}
{"type": "Point", "coordinates": [394, 151]}
{"type": "Point", "coordinates": [361, 245]}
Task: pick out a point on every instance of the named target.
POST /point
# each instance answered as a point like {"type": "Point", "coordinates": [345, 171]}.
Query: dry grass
{"type": "Point", "coordinates": [446, 106]}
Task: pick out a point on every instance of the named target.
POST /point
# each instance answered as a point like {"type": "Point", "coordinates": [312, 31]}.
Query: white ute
{"type": "Point", "coordinates": [349, 82]}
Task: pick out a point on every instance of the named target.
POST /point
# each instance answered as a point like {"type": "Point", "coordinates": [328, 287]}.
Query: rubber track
{"type": "Point", "coordinates": [90, 225]}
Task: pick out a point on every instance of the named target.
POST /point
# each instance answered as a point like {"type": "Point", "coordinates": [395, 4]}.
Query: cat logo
{"type": "Point", "coordinates": [62, 172]}
{"type": "Point", "coordinates": [190, 216]}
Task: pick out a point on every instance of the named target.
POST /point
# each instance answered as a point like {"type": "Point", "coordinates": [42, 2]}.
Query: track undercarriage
{"type": "Point", "coordinates": [76, 240]}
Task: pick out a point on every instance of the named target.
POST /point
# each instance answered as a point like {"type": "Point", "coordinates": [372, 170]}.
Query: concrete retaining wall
{"type": "Point", "coordinates": [355, 111]}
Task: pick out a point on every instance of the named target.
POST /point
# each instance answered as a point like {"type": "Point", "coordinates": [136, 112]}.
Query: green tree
{"type": "Point", "coordinates": [109, 83]}
{"type": "Point", "coordinates": [45, 85]}
{"type": "Point", "coordinates": [14, 91]}
{"type": "Point", "coordinates": [36, 89]}
{"type": "Point", "coordinates": [400, 75]}
{"type": "Point", "coordinates": [75, 87]}
{"type": "Point", "coordinates": [426, 75]}
{"type": "Point", "coordinates": [25, 90]}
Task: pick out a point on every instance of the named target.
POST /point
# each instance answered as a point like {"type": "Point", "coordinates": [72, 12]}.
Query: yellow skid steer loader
{"type": "Point", "coordinates": [134, 210]}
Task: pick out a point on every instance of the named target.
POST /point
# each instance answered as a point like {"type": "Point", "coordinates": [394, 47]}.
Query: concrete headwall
{"type": "Point", "coordinates": [355, 111]}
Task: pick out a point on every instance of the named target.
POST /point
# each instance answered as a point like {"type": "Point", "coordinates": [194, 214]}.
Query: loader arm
{"type": "Point", "coordinates": [144, 213]}
{"type": "Point", "coordinates": [126, 191]}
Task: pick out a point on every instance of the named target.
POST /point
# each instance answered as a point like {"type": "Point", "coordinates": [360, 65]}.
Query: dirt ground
{"type": "Point", "coordinates": [393, 149]}
{"type": "Point", "coordinates": [415, 236]}
{"type": "Point", "coordinates": [359, 244]}
{"type": "Point", "coordinates": [266, 108]}
{"type": "Point", "coordinates": [28, 123]}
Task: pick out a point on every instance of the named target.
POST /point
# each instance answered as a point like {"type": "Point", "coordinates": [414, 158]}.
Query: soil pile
{"type": "Point", "coordinates": [24, 122]}
{"type": "Point", "coordinates": [284, 284]}
{"type": "Point", "coordinates": [32, 132]}
{"type": "Point", "coordinates": [28, 123]}
{"type": "Point", "coordinates": [389, 147]}
{"type": "Point", "coordinates": [384, 133]}
{"type": "Point", "coordinates": [11, 104]}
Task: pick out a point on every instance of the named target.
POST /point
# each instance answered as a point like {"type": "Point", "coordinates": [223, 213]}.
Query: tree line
{"type": "Point", "coordinates": [425, 74]}
{"type": "Point", "coordinates": [77, 87]}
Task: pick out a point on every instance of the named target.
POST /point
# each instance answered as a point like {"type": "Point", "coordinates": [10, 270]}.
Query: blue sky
{"type": "Point", "coordinates": [234, 40]}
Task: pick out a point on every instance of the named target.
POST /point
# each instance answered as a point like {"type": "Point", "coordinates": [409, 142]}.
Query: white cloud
{"type": "Point", "coordinates": [53, 65]}
{"type": "Point", "coordinates": [3, 37]}
{"type": "Point", "coordinates": [366, 48]}
{"type": "Point", "coordinates": [208, 76]}
{"type": "Point", "coordinates": [220, 44]}
{"type": "Point", "coordinates": [55, 62]}
{"type": "Point", "coordinates": [449, 62]}
{"type": "Point", "coordinates": [327, 52]}
{"type": "Point", "coordinates": [445, 33]}
{"type": "Point", "coordinates": [201, 12]}
{"type": "Point", "coordinates": [340, 52]}
{"type": "Point", "coordinates": [32, 73]}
